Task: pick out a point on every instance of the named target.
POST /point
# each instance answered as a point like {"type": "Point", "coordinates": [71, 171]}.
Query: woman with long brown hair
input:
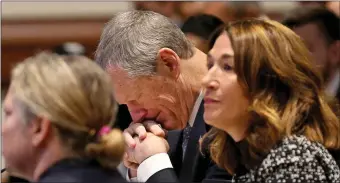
{"type": "Point", "coordinates": [266, 102]}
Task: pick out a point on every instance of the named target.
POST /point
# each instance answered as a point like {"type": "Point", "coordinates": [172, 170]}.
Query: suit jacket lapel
{"type": "Point", "coordinates": [174, 139]}
{"type": "Point", "coordinates": [192, 154]}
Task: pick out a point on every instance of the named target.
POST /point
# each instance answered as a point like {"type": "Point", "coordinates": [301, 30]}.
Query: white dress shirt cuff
{"type": "Point", "coordinates": [127, 177]}
{"type": "Point", "coordinates": [153, 165]}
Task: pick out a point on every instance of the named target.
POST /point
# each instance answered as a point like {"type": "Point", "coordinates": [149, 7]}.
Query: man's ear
{"type": "Point", "coordinates": [40, 129]}
{"type": "Point", "coordinates": [168, 63]}
{"type": "Point", "coordinates": [334, 53]}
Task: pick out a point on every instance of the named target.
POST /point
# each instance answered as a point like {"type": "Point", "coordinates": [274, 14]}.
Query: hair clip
{"type": "Point", "coordinates": [104, 130]}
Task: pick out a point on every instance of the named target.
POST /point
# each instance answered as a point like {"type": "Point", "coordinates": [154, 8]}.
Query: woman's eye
{"type": "Point", "coordinates": [227, 67]}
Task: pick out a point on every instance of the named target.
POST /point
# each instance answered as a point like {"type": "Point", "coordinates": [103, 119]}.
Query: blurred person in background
{"type": "Point", "coordinates": [265, 101]}
{"type": "Point", "coordinates": [166, 8]}
{"type": "Point", "coordinates": [70, 48]}
{"type": "Point", "coordinates": [320, 30]}
{"type": "Point", "coordinates": [334, 6]}
{"type": "Point", "coordinates": [222, 10]}
{"type": "Point", "coordinates": [67, 48]}
{"type": "Point", "coordinates": [312, 3]}
{"type": "Point", "coordinates": [186, 9]}
{"type": "Point", "coordinates": [180, 11]}
{"type": "Point", "coordinates": [246, 9]}
{"type": "Point", "coordinates": [156, 71]}
{"type": "Point", "coordinates": [199, 28]}
{"type": "Point", "coordinates": [234, 10]}
{"type": "Point", "coordinates": [52, 133]}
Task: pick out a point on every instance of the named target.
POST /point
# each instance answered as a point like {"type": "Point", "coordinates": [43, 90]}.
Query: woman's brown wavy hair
{"type": "Point", "coordinates": [284, 88]}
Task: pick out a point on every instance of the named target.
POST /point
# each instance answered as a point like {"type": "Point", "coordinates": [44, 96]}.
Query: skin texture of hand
{"type": "Point", "coordinates": [151, 145]}
{"type": "Point", "coordinates": [140, 130]}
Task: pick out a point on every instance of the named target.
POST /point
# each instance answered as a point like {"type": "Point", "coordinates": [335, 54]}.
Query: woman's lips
{"type": "Point", "coordinates": [208, 100]}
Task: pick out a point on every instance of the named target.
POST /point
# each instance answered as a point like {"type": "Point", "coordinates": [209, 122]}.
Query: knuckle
{"type": "Point", "coordinates": [133, 125]}
{"type": "Point", "coordinates": [140, 127]}
{"type": "Point", "coordinates": [126, 137]}
{"type": "Point", "coordinates": [149, 122]}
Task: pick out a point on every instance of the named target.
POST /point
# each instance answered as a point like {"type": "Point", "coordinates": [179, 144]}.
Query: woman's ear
{"type": "Point", "coordinates": [168, 63]}
{"type": "Point", "coordinates": [40, 128]}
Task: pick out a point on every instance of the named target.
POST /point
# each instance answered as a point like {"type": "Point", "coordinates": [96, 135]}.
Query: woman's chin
{"type": "Point", "coordinates": [209, 119]}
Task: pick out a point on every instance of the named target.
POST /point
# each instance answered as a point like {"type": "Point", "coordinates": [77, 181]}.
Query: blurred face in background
{"type": "Point", "coordinates": [317, 44]}
{"type": "Point", "coordinates": [198, 41]}
{"type": "Point", "coordinates": [16, 139]}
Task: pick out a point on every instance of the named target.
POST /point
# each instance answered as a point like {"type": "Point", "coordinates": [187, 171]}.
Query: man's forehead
{"type": "Point", "coordinates": [117, 73]}
{"type": "Point", "coordinates": [124, 86]}
{"type": "Point", "coordinates": [120, 77]}
{"type": "Point", "coordinates": [123, 92]}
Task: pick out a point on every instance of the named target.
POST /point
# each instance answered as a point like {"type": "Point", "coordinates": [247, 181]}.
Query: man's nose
{"type": "Point", "coordinates": [137, 112]}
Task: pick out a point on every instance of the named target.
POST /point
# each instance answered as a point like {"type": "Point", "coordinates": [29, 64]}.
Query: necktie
{"type": "Point", "coordinates": [186, 136]}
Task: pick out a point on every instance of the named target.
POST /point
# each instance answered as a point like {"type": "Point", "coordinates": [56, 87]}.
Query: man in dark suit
{"type": "Point", "coordinates": [320, 29]}
{"type": "Point", "coordinates": [157, 73]}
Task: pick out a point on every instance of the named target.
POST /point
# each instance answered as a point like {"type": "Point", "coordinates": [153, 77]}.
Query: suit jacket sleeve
{"type": "Point", "coordinates": [214, 173]}
{"type": "Point", "coordinates": [165, 175]}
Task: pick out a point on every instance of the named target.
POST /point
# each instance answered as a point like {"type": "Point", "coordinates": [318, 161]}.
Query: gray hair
{"type": "Point", "coordinates": [131, 41]}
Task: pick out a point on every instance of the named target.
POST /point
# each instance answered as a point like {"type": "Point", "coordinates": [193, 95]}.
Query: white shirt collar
{"type": "Point", "coordinates": [195, 109]}
{"type": "Point", "coordinates": [334, 85]}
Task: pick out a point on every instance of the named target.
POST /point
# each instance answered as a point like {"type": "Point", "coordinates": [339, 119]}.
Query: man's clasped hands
{"type": "Point", "coordinates": [143, 139]}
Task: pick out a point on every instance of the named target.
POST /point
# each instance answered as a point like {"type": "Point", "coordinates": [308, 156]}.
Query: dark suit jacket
{"type": "Point", "coordinates": [75, 170]}
{"type": "Point", "coordinates": [195, 166]}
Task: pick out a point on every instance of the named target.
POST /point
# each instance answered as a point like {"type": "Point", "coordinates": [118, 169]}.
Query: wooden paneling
{"type": "Point", "coordinates": [21, 39]}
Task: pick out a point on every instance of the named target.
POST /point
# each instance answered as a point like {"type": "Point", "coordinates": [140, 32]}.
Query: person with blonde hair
{"type": "Point", "coordinates": [265, 100]}
{"type": "Point", "coordinates": [56, 127]}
